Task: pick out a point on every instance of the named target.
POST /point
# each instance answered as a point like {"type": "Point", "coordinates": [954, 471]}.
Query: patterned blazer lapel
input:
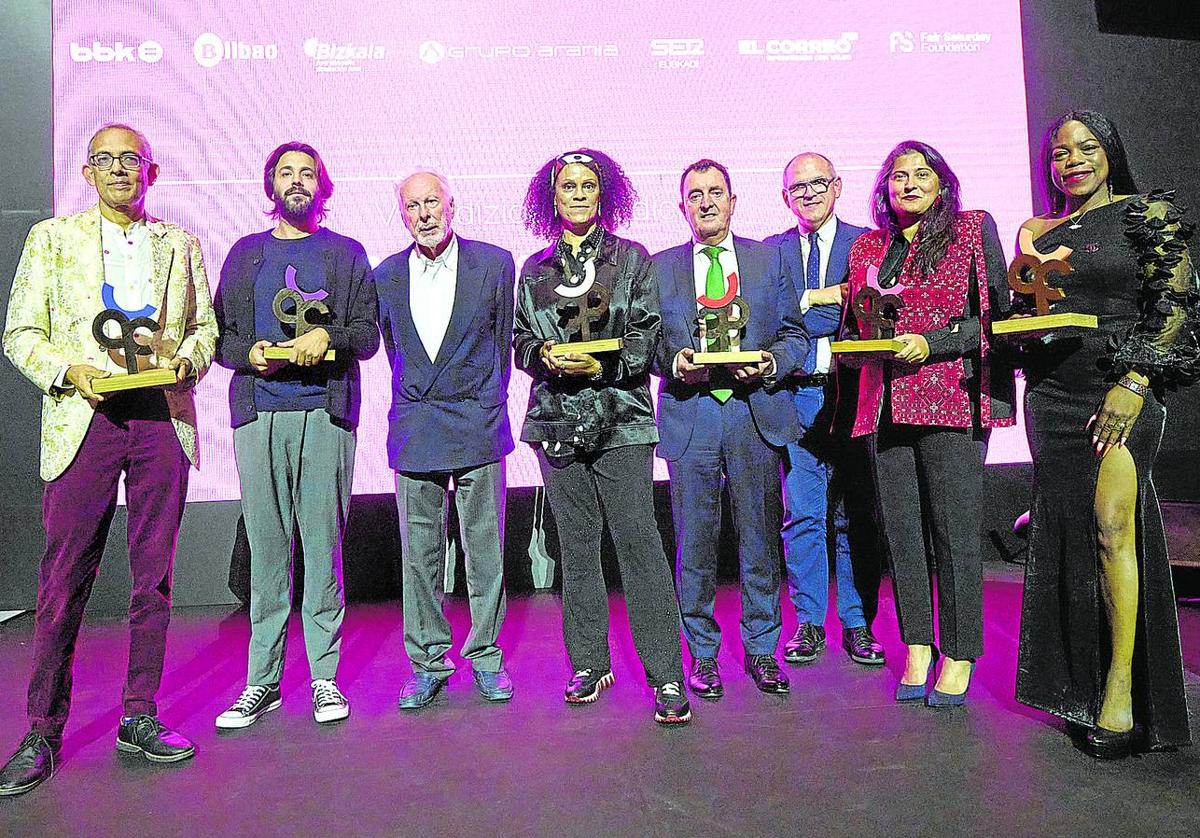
{"type": "Point", "coordinates": [168, 293]}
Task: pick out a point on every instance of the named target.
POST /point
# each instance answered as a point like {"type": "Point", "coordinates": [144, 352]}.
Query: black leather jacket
{"type": "Point", "coordinates": [581, 414]}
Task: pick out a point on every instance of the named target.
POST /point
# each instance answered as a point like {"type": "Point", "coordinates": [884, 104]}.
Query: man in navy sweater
{"type": "Point", "coordinates": [294, 419]}
{"type": "Point", "coordinates": [446, 313]}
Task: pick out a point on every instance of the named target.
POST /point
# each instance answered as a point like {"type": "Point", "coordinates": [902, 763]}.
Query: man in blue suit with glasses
{"type": "Point", "coordinates": [825, 471]}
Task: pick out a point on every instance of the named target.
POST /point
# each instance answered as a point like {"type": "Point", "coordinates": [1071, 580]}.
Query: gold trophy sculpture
{"type": "Point", "coordinates": [876, 313]}
{"type": "Point", "coordinates": [722, 323]}
{"type": "Point", "coordinates": [132, 352]}
{"type": "Point", "coordinates": [1029, 276]}
{"type": "Point", "coordinates": [583, 310]}
{"type": "Point", "coordinates": [305, 307]}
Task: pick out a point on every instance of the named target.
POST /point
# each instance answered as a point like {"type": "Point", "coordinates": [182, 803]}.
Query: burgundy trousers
{"type": "Point", "coordinates": [130, 433]}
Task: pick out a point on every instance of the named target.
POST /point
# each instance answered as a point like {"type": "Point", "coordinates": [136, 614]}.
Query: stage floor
{"type": "Point", "coordinates": [836, 757]}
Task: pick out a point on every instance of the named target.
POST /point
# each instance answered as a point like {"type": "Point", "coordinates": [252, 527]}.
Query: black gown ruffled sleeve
{"type": "Point", "coordinates": [1164, 343]}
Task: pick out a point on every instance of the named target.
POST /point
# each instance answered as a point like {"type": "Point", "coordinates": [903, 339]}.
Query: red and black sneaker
{"type": "Point", "coordinates": [586, 684]}
{"type": "Point", "coordinates": [671, 705]}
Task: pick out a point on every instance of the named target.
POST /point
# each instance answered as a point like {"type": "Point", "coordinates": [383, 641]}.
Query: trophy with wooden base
{"type": "Point", "coordinates": [303, 317]}
{"type": "Point", "coordinates": [132, 353]}
{"type": "Point", "coordinates": [582, 314]}
{"type": "Point", "coordinates": [876, 313]}
{"type": "Point", "coordinates": [722, 324]}
{"type": "Point", "coordinates": [1029, 276]}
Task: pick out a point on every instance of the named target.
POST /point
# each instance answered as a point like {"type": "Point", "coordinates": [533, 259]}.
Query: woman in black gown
{"type": "Point", "coordinates": [1099, 631]}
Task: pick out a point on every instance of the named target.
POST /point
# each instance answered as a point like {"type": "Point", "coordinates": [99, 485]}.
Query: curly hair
{"type": "Point", "coordinates": [1105, 130]}
{"type": "Point", "coordinates": [617, 195]}
{"type": "Point", "coordinates": [937, 224]}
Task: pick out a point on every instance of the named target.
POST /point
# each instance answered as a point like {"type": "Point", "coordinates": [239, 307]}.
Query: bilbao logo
{"type": "Point", "coordinates": [900, 41]}
{"type": "Point", "coordinates": [147, 52]}
{"type": "Point", "coordinates": [210, 49]}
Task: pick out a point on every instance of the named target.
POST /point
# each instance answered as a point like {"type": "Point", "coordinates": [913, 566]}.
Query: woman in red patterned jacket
{"type": "Point", "coordinates": [932, 275]}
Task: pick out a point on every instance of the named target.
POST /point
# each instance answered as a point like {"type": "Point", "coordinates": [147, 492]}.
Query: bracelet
{"type": "Point", "coordinates": [1128, 383]}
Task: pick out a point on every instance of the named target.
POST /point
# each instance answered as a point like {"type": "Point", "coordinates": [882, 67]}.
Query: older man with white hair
{"type": "Point", "coordinates": [446, 313]}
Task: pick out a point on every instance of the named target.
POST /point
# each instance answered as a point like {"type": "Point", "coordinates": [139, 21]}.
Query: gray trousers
{"type": "Point", "coordinates": [422, 500]}
{"type": "Point", "coordinates": [294, 467]}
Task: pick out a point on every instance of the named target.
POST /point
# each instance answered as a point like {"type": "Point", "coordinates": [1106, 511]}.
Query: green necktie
{"type": "Point", "coordinates": [714, 288]}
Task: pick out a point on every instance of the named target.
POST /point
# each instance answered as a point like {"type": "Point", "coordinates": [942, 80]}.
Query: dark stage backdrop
{"type": "Point", "coordinates": [1142, 82]}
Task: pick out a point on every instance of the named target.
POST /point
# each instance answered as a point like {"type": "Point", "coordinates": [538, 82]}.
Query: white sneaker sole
{"type": "Point", "coordinates": [239, 722]}
{"type": "Point", "coordinates": [333, 714]}
{"type": "Point", "coordinates": [603, 684]}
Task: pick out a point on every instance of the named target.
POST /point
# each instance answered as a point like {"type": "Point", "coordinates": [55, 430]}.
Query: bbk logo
{"type": "Point", "coordinates": [148, 52]}
{"type": "Point", "coordinates": [901, 41]}
{"type": "Point", "coordinates": [210, 50]}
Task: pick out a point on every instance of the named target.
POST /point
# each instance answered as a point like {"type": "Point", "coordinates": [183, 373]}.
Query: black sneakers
{"type": "Point", "coordinates": [29, 767]}
{"type": "Point", "coordinates": [671, 705]}
{"type": "Point", "coordinates": [586, 684]}
{"type": "Point", "coordinates": [254, 701]}
{"type": "Point", "coordinates": [329, 705]}
{"type": "Point", "coordinates": [148, 736]}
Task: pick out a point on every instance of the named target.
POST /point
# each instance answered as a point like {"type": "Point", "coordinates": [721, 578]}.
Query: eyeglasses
{"type": "Point", "coordinates": [814, 187]}
{"type": "Point", "coordinates": [103, 161]}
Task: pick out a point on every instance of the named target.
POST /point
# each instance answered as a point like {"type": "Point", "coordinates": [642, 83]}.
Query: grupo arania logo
{"type": "Point", "coordinates": [330, 57]}
{"type": "Point", "coordinates": [434, 52]}
{"type": "Point", "coordinates": [938, 42]}
{"type": "Point", "coordinates": [210, 49]}
{"type": "Point", "coordinates": [677, 53]}
{"type": "Point", "coordinates": [147, 52]}
{"type": "Point", "coordinates": [840, 48]}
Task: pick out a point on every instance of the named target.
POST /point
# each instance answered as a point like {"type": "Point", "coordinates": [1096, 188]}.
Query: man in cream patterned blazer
{"type": "Point", "coordinates": [112, 256]}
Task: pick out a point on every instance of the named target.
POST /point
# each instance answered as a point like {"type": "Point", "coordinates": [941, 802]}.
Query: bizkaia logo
{"type": "Point", "coordinates": [210, 50]}
{"type": "Point", "coordinates": [434, 52]}
{"type": "Point", "coordinates": [801, 49]}
{"type": "Point", "coordinates": [938, 42]}
{"type": "Point", "coordinates": [677, 53]}
{"type": "Point", "coordinates": [341, 58]}
{"type": "Point", "coordinates": [147, 52]}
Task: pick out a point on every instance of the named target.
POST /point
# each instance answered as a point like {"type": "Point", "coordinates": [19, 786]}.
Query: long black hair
{"type": "Point", "coordinates": [1120, 178]}
{"type": "Point", "coordinates": [937, 224]}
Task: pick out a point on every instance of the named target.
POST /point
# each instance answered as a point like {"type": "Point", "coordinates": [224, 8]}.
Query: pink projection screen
{"type": "Point", "coordinates": [486, 92]}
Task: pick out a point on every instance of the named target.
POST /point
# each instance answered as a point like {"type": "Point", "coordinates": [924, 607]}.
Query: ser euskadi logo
{"type": "Point", "coordinates": [434, 52]}
{"type": "Point", "coordinates": [147, 52]}
{"type": "Point", "coordinates": [210, 49]}
{"type": "Point", "coordinates": [677, 53]}
{"type": "Point", "coordinates": [840, 48]}
{"type": "Point", "coordinates": [903, 41]}
{"type": "Point", "coordinates": [330, 57]}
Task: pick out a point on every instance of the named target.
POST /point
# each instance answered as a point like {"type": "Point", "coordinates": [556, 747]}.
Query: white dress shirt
{"type": "Point", "coordinates": [431, 285]}
{"type": "Point", "coordinates": [825, 234]}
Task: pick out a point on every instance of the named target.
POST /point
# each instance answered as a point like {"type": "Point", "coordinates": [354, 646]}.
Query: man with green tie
{"type": "Point", "coordinates": [730, 421]}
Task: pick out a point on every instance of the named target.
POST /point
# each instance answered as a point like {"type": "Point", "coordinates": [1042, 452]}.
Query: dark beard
{"type": "Point", "coordinates": [300, 216]}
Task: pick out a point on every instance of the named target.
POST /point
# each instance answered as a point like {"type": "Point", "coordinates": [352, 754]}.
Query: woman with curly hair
{"type": "Point", "coordinates": [1099, 631]}
{"type": "Point", "coordinates": [591, 420]}
{"type": "Point", "coordinates": [938, 272]}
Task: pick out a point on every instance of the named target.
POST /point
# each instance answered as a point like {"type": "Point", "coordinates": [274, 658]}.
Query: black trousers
{"type": "Point", "coordinates": [615, 485]}
{"type": "Point", "coordinates": [928, 475]}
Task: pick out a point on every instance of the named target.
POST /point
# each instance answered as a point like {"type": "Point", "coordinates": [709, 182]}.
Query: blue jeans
{"type": "Point", "coordinates": [808, 476]}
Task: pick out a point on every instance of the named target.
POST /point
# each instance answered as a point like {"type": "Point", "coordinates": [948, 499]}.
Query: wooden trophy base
{"type": "Point", "coordinates": [587, 347]}
{"type": "Point", "coordinates": [705, 358]}
{"type": "Point", "coordinates": [282, 353]}
{"type": "Point", "coordinates": [885, 346]}
{"type": "Point", "coordinates": [125, 381]}
{"type": "Point", "coordinates": [1021, 325]}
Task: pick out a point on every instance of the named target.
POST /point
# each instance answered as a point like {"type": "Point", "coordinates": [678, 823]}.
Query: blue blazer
{"type": "Point", "coordinates": [775, 326]}
{"type": "Point", "coordinates": [824, 320]}
{"type": "Point", "coordinates": [451, 412]}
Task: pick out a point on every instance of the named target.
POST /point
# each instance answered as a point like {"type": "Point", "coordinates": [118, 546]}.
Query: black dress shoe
{"type": "Point", "coordinates": [768, 677]}
{"type": "Point", "coordinates": [146, 735]}
{"type": "Point", "coordinates": [705, 679]}
{"type": "Point", "coordinates": [862, 647]}
{"type": "Point", "coordinates": [29, 767]}
{"type": "Point", "coordinates": [1102, 743]}
{"type": "Point", "coordinates": [806, 644]}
